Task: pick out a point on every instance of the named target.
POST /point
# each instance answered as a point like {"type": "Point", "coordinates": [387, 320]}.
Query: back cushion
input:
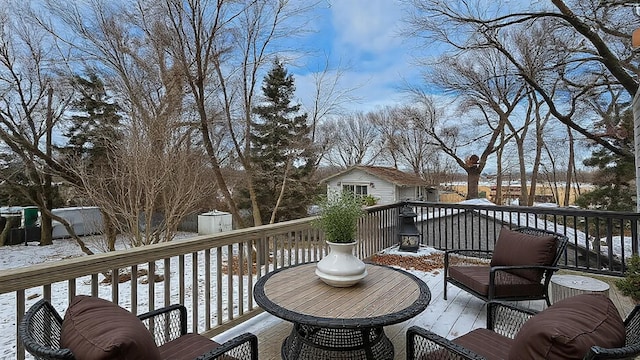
{"type": "Point", "coordinates": [515, 248]}
{"type": "Point", "coordinates": [569, 328]}
{"type": "Point", "coordinates": [97, 329]}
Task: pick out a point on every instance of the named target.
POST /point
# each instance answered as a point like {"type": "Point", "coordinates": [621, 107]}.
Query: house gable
{"type": "Point", "coordinates": [388, 185]}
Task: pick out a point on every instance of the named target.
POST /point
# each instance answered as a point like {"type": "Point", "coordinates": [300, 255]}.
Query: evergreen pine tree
{"type": "Point", "coordinates": [280, 149]}
{"type": "Point", "coordinates": [615, 174]}
{"type": "Point", "coordinates": [95, 127]}
{"type": "Point", "coordinates": [94, 134]}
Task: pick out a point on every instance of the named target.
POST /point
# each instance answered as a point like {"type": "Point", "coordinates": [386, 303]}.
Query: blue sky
{"type": "Point", "coordinates": [361, 36]}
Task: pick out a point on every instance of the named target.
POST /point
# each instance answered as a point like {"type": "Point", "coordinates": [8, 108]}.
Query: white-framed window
{"type": "Point", "coordinates": [356, 189]}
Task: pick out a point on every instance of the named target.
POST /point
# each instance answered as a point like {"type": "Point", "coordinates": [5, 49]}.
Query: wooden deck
{"type": "Point", "coordinates": [449, 318]}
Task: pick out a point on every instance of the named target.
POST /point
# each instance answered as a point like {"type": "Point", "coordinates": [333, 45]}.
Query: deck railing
{"type": "Point", "coordinates": [213, 275]}
{"type": "Point", "coordinates": [208, 274]}
{"type": "Point", "coordinates": [599, 241]}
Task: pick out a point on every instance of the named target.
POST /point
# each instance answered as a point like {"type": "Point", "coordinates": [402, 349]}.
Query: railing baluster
{"type": "Point", "coordinates": [281, 250]}
{"type": "Point", "coordinates": [219, 285]}
{"type": "Point", "coordinates": [195, 291]}
{"type": "Point", "coordinates": [71, 285]}
{"type": "Point", "coordinates": [115, 272]}
{"type": "Point", "coordinates": [134, 289]}
{"type": "Point", "coordinates": [20, 310]}
{"type": "Point", "coordinates": [167, 282]}
{"type": "Point", "coordinates": [181, 278]}
{"type": "Point", "coordinates": [634, 237]}
{"type": "Point", "coordinates": [151, 285]}
{"type": "Point", "coordinates": [207, 289]}
{"type": "Point", "coordinates": [250, 261]}
{"type": "Point", "coordinates": [240, 286]}
{"type": "Point", "coordinates": [94, 284]}
{"type": "Point", "coordinates": [229, 282]}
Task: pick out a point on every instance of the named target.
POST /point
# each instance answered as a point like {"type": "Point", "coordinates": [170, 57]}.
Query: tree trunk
{"type": "Point", "coordinates": [46, 230]}
{"type": "Point", "coordinates": [109, 230]}
{"type": "Point", "coordinates": [46, 225]}
{"type": "Point", "coordinates": [11, 222]}
{"type": "Point", "coordinates": [552, 177]}
{"type": "Point", "coordinates": [570, 163]}
{"type": "Point", "coordinates": [473, 178]}
{"type": "Point", "coordinates": [538, 157]}
{"type": "Point", "coordinates": [523, 201]}
{"type": "Point", "coordinates": [498, 198]}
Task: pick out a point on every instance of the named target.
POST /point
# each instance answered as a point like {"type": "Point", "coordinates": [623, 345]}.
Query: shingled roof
{"type": "Point", "coordinates": [389, 174]}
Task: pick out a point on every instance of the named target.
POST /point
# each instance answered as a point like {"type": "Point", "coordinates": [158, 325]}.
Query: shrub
{"type": "Point", "coordinates": [369, 200]}
{"type": "Point", "coordinates": [630, 284]}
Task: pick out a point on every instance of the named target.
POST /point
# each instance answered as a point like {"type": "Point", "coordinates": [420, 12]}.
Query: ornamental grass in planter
{"type": "Point", "coordinates": [338, 219]}
{"type": "Point", "coordinates": [339, 215]}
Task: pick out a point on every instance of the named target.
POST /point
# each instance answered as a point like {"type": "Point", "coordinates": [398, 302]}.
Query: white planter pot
{"type": "Point", "coordinates": [340, 268]}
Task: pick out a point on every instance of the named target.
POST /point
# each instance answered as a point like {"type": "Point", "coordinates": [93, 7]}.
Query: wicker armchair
{"type": "Point", "coordinates": [504, 321]}
{"type": "Point", "coordinates": [41, 328]}
{"type": "Point", "coordinates": [518, 279]}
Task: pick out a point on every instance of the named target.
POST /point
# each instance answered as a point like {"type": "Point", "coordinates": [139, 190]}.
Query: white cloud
{"type": "Point", "coordinates": [366, 25]}
{"type": "Point", "coordinates": [362, 36]}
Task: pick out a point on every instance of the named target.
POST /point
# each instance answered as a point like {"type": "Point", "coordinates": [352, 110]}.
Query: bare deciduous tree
{"type": "Point", "coordinates": [485, 87]}
{"type": "Point", "coordinates": [148, 186]}
{"type": "Point", "coordinates": [355, 141]}
{"type": "Point", "coordinates": [329, 100]}
{"type": "Point", "coordinates": [33, 98]}
{"type": "Point", "coordinates": [147, 193]}
{"type": "Point", "coordinates": [589, 38]}
{"type": "Point", "coordinates": [407, 141]}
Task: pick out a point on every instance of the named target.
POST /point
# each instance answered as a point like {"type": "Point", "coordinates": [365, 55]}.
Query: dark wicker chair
{"type": "Point", "coordinates": [41, 327]}
{"type": "Point", "coordinates": [500, 282]}
{"type": "Point", "coordinates": [504, 321]}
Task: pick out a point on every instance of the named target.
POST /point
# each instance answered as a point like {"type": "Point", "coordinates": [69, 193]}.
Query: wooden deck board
{"type": "Point", "coordinates": [449, 318]}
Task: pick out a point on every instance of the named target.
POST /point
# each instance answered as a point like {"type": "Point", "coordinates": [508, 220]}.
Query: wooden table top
{"type": "Point", "coordinates": [385, 296]}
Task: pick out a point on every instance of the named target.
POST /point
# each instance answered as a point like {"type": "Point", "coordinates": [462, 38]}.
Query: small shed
{"type": "Point", "coordinates": [85, 220]}
{"type": "Point", "coordinates": [213, 222]}
{"type": "Point", "coordinates": [387, 185]}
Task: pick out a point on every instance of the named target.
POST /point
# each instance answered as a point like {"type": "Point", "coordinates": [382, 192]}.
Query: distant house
{"type": "Point", "coordinates": [387, 185]}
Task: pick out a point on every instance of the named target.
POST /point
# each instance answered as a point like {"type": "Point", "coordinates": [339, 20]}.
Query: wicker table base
{"type": "Point", "coordinates": [317, 343]}
{"type": "Point", "coordinates": [564, 286]}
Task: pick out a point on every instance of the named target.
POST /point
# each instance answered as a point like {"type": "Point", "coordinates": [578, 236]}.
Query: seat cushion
{"type": "Point", "coordinates": [97, 329]}
{"type": "Point", "coordinates": [569, 328]}
{"type": "Point", "coordinates": [485, 342]}
{"type": "Point", "coordinates": [187, 347]}
{"type": "Point", "coordinates": [515, 248]}
{"type": "Point", "coordinates": [507, 285]}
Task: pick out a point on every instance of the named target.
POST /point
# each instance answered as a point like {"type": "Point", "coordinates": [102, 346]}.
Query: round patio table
{"type": "Point", "coordinates": [340, 323]}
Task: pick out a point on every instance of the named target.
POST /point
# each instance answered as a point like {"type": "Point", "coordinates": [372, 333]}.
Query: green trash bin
{"type": "Point", "coordinates": [30, 216]}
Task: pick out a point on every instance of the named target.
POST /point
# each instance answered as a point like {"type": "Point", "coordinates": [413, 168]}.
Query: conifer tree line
{"type": "Point", "coordinates": [156, 110]}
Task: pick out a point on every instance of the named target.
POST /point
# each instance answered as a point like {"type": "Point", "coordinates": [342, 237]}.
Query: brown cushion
{"type": "Point", "coordinates": [569, 328]}
{"type": "Point", "coordinates": [515, 248]}
{"type": "Point", "coordinates": [485, 342]}
{"type": "Point", "coordinates": [96, 329]}
{"type": "Point", "coordinates": [187, 347]}
{"type": "Point", "coordinates": [506, 284]}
